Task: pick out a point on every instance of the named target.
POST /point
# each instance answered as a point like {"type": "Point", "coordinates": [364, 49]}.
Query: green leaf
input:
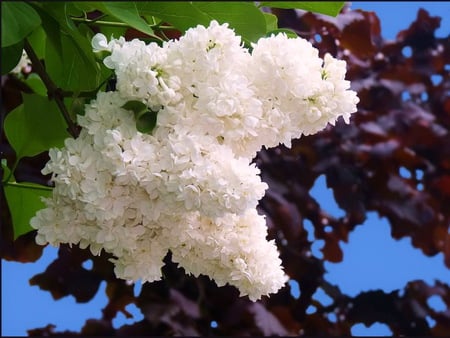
{"type": "Point", "coordinates": [110, 32]}
{"type": "Point", "coordinates": [35, 126]}
{"type": "Point", "coordinates": [35, 83]}
{"type": "Point", "coordinates": [73, 10]}
{"type": "Point", "coordinates": [37, 40]}
{"type": "Point", "coordinates": [6, 170]}
{"type": "Point", "coordinates": [18, 20]}
{"type": "Point", "coordinates": [52, 31]}
{"type": "Point", "coordinates": [145, 119]}
{"type": "Point", "coordinates": [70, 62]}
{"type": "Point", "coordinates": [271, 22]}
{"type": "Point", "coordinates": [127, 13]}
{"type": "Point", "coordinates": [135, 106]}
{"type": "Point", "coordinates": [11, 56]}
{"type": "Point", "coordinates": [331, 8]}
{"type": "Point", "coordinates": [181, 14]}
{"type": "Point", "coordinates": [24, 200]}
{"type": "Point", "coordinates": [246, 19]}
{"type": "Point", "coordinates": [85, 6]}
{"type": "Point", "coordinates": [289, 33]}
{"type": "Point", "coordinates": [77, 106]}
{"type": "Point", "coordinates": [70, 69]}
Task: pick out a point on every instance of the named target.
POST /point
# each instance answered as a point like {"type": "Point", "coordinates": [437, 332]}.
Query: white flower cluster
{"type": "Point", "coordinates": [189, 186]}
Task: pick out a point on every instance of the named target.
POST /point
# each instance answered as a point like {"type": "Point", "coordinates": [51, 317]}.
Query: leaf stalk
{"type": "Point", "coordinates": [53, 92]}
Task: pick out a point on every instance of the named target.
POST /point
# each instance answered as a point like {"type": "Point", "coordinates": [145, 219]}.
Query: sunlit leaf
{"type": "Point", "coordinates": [127, 13]}
{"type": "Point", "coordinates": [182, 15]}
{"type": "Point", "coordinates": [271, 21]}
{"type": "Point", "coordinates": [244, 17]}
{"type": "Point", "coordinates": [331, 8]}
{"type": "Point", "coordinates": [35, 126]}
{"type": "Point", "coordinates": [24, 200]}
{"type": "Point", "coordinates": [289, 33]}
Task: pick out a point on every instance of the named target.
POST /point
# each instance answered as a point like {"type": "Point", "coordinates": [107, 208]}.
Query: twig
{"type": "Point", "coordinates": [27, 185]}
{"type": "Point", "coordinates": [97, 21]}
{"type": "Point", "coordinates": [53, 92]}
{"type": "Point", "coordinates": [118, 24]}
{"type": "Point", "coordinates": [100, 22]}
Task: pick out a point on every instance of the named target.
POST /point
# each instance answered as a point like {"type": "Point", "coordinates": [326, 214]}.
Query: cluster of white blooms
{"type": "Point", "coordinates": [189, 186]}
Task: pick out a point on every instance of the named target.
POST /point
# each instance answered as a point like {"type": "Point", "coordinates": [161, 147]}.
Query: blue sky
{"type": "Point", "coordinates": [372, 259]}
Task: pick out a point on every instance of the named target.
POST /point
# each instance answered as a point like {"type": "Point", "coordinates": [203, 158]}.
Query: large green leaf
{"type": "Point", "coordinates": [69, 68]}
{"type": "Point", "coordinates": [86, 6]}
{"type": "Point", "coordinates": [52, 32]}
{"type": "Point", "coordinates": [127, 13]}
{"type": "Point", "coordinates": [271, 22]}
{"type": "Point", "coordinates": [181, 14]}
{"type": "Point", "coordinates": [11, 56]}
{"type": "Point", "coordinates": [37, 41]}
{"type": "Point", "coordinates": [102, 72]}
{"type": "Point", "coordinates": [18, 20]}
{"type": "Point", "coordinates": [72, 9]}
{"type": "Point", "coordinates": [70, 61]}
{"type": "Point", "coordinates": [35, 126]}
{"type": "Point", "coordinates": [289, 33]}
{"type": "Point", "coordinates": [36, 84]}
{"type": "Point", "coordinates": [24, 200]}
{"type": "Point", "coordinates": [331, 8]}
{"type": "Point", "coordinates": [246, 19]}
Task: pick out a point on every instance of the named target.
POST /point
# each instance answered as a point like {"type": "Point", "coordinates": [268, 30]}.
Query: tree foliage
{"type": "Point", "coordinates": [402, 125]}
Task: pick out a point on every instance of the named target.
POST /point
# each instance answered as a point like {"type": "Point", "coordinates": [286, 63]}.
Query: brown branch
{"type": "Point", "coordinates": [53, 92]}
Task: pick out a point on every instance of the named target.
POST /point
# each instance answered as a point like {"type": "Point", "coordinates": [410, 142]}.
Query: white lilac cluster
{"type": "Point", "coordinates": [189, 186]}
